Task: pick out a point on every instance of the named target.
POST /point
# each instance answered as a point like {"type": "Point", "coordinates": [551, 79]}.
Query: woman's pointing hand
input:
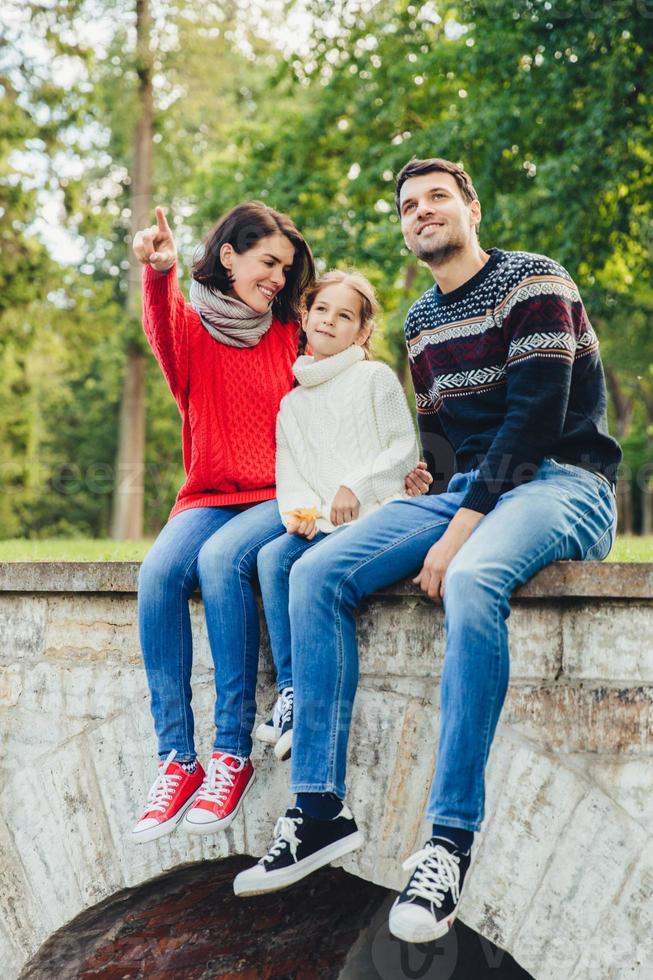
{"type": "Point", "coordinates": [155, 246]}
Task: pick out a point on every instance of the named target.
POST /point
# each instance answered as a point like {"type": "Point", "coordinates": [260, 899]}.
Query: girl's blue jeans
{"type": "Point", "coordinates": [274, 562]}
{"type": "Point", "coordinates": [565, 512]}
{"type": "Point", "coordinates": [214, 548]}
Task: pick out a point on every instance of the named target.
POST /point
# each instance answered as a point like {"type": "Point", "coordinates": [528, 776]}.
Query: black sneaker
{"type": "Point", "coordinates": [283, 747]}
{"type": "Point", "coordinates": [301, 845]}
{"type": "Point", "coordinates": [427, 906]}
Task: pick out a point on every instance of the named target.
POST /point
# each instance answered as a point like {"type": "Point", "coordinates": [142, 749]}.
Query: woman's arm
{"type": "Point", "coordinates": [165, 311]}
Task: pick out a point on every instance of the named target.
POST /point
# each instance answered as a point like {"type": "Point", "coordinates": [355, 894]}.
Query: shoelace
{"type": "Point", "coordinates": [437, 873]}
{"type": "Point", "coordinates": [163, 787]}
{"type": "Point", "coordinates": [285, 834]}
{"type": "Point", "coordinates": [219, 780]}
{"type": "Point", "coordinates": [286, 699]}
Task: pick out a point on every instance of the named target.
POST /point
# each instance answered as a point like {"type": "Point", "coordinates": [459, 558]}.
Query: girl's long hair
{"type": "Point", "coordinates": [243, 227]}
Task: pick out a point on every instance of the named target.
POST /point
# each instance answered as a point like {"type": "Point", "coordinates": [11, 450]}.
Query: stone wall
{"type": "Point", "coordinates": [563, 875]}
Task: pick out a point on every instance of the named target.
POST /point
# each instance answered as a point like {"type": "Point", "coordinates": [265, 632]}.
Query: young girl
{"type": "Point", "coordinates": [345, 440]}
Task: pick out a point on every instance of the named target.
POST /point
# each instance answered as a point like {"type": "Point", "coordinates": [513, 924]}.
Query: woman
{"type": "Point", "coordinates": [227, 358]}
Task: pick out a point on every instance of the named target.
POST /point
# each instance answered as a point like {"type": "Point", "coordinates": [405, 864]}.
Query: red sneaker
{"type": "Point", "coordinates": [170, 795]}
{"type": "Point", "coordinates": [217, 803]}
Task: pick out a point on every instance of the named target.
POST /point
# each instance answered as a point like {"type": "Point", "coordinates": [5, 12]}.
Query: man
{"type": "Point", "coordinates": [510, 390]}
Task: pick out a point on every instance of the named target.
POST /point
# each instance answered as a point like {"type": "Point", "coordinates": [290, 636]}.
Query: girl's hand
{"type": "Point", "coordinates": [155, 246]}
{"type": "Point", "coordinates": [345, 507]}
{"type": "Point", "coordinates": [418, 480]}
{"type": "Point", "coordinates": [305, 529]}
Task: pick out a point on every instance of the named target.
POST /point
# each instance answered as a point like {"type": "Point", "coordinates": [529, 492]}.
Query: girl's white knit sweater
{"type": "Point", "coordinates": [347, 424]}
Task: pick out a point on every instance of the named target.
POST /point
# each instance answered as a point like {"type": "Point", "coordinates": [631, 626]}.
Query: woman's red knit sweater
{"type": "Point", "coordinates": [228, 397]}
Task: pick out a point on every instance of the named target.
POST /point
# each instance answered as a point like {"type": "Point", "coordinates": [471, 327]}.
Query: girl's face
{"type": "Point", "coordinates": [260, 272]}
{"type": "Point", "coordinates": [333, 322]}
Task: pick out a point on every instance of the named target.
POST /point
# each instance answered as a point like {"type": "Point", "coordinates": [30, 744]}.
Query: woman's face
{"type": "Point", "coordinates": [333, 322]}
{"type": "Point", "coordinates": [260, 272]}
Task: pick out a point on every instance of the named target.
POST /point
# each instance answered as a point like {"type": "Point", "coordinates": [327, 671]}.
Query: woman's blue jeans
{"type": "Point", "coordinates": [214, 548]}
{"type": "Point", "coordinates": [565, 512]}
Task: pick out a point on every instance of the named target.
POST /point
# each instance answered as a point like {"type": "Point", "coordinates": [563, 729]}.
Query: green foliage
{"type": "Point", "coordinates": [547, 103]}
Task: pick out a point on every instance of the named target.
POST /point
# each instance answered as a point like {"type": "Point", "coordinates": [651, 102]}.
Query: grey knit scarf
{"type": "Point", "coordinates": [227, 319]}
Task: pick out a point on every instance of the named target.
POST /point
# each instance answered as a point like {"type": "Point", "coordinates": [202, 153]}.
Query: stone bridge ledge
{"type": "Point", "coordinates": [563, 875]}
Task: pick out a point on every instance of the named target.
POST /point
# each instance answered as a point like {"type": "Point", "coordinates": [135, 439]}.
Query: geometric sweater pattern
{"type": "Point", "coordinates": [228, 397]}
{"type": "Point", "coordinates": [507, 371]}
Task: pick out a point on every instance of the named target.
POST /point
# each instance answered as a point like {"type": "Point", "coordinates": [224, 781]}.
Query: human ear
{"type": "Point", "coordinates": [226, 255]}
{"type": "Point", "coordinates": [363, 336]}
{"type": "Point", "coordinates": [475, 212]}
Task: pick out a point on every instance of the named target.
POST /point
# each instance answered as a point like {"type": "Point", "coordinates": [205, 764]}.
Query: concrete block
{"type": "Point", "coordinates": [22, 626]}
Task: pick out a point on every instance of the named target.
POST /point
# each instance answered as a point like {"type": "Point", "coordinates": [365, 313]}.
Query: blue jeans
{"type": "Point", "coordinates": [215, 548]}
{"type": "Point", "coordinates": [274, 562]}
{"type": "Point", "coordinates": [565, 512]}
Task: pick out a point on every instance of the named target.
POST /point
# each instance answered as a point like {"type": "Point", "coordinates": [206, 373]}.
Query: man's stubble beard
{"type": "Point", "coordinates": [442, 253]}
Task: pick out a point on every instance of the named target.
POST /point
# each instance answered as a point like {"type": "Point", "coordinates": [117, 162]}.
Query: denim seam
{"type": "Point", "coordinates": [190, 750]}
{"type": "Point", "coordinates": [606, 533]}
{"type": "Point", "coordinates": [256, 547]}
{"type": "Point", "coordinates": [316, 788]}
{"type": "Point", "coordinates": [598, 480]}
{"type": "Point", "coordinates": [337, 600]}
{"type": "Point", "coordinates": [454, 822]}
{"type": "Point", "coordinates": [480, 789]}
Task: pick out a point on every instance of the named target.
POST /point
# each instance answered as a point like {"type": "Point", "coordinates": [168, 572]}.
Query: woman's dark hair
{"type": "Point", "coordinates": [242, 228]}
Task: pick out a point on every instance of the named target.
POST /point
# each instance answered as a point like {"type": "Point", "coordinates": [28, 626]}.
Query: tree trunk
{"type": "Point", "coordinates": [625, 507]}
{"type": "Point", "coordinates": [410, 274]}
{"type": "Point", "coordinates": [128, 494]}
{"type": "Point", "coordinates": [623, 411]}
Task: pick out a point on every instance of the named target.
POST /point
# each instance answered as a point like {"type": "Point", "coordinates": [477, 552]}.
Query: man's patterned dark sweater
{"type": "Point", "coordinates": [506, 371]}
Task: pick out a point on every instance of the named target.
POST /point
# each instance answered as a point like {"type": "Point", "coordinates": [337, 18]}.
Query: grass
{"type": "Point", "coordinates": [73, 549]}
{"type": "Point", "coordinates": [627, 548]}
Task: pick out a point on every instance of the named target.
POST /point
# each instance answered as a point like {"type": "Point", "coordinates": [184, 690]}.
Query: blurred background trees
{"type": "Point", "coordinates": [311, 107]}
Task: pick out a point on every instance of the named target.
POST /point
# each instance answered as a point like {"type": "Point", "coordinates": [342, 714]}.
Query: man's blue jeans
{"type": "Point", "coordinates": [215, 548]}
{"type": "Point", "coordinates": [565, 512]}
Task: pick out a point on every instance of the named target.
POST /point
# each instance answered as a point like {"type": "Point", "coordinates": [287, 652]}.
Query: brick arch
{"type": "Point", "coordinates": [188, 923]}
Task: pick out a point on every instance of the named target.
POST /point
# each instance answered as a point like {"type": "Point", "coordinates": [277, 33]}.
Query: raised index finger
{"type": "Point", "coordinates": [162, 221]}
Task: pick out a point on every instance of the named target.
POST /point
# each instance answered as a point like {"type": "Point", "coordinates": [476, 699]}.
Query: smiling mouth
{"type": "Point", "coordinates": [325, 334]}
{"type": "Point", "coordinates": [431, 225]}
{"type": "Point", "coordinates": [268, 293]}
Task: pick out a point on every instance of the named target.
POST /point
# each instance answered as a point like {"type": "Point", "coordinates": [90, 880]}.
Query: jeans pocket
{"type": "Point", "coordinates": [601, 548]}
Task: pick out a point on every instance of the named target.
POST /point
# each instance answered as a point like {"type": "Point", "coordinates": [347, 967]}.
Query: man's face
{"type": "Point", "coordinates": [436, 222]}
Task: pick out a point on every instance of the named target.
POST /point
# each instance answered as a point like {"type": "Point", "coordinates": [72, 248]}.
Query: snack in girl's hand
{"type": "Point", "coordinates": [303, 513]}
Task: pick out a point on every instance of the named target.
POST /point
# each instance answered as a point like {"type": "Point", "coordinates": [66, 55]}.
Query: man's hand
{"type": "Point", "coordinates": [418, 480]}
{"type": "Point", "coordinates": [345, 507]}
{"type": "Point", "coordinates": [440, 556]}
{"type": "Point", "coordinates": [155, 246]}
{"type": "Point", "coordinates": [306, 528]}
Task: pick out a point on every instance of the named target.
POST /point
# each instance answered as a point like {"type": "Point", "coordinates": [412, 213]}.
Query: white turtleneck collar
{"type": "Point", "coordinates": [310, 372]}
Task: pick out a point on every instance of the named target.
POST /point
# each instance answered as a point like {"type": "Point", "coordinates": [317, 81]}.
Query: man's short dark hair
{"type": "Point", "coordinates": [416, 168]}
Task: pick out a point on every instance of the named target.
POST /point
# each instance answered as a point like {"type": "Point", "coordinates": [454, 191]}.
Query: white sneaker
{"type": "Point", "coordinates": [283, 747]}
{"type": "Point", "coordinates": [270, 731]}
